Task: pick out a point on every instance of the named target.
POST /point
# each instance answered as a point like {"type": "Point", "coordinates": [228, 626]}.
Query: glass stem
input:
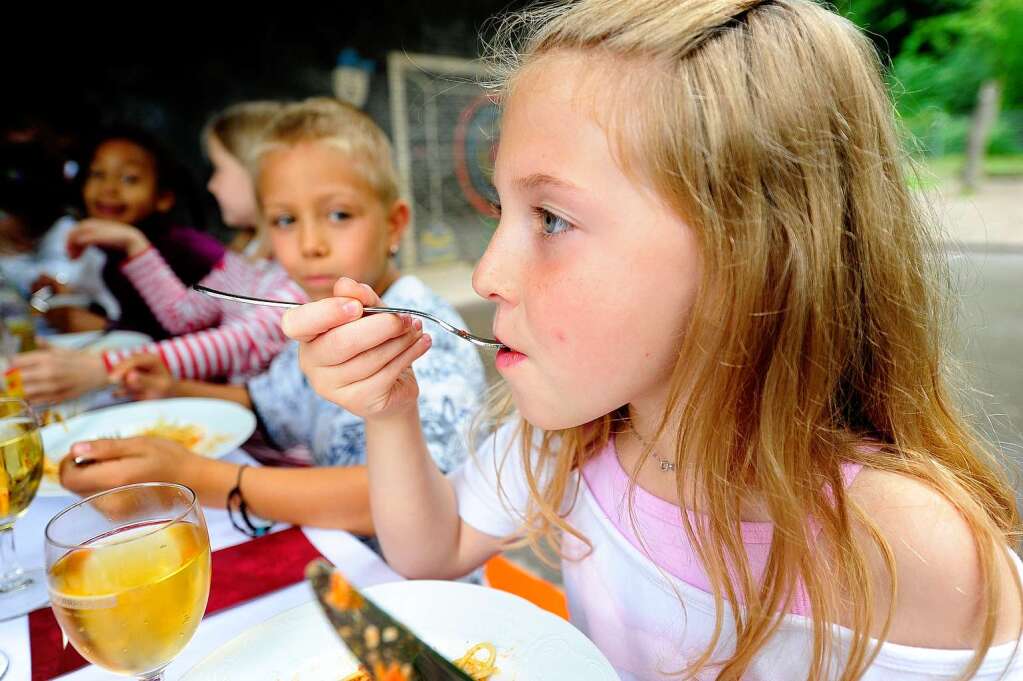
{"type": "Point", "coordinates": [151, 676]}
{"type": "Point", "coordinates": [11, 575]}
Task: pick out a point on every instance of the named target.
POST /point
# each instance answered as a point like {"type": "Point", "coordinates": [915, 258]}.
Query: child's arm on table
{"type": "Point", "coordinates": [146, 377]}
{"type": "Point", "coordinates": [332, 497]}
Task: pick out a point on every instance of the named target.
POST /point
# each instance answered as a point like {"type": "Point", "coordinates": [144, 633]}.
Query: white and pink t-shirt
{"type": "Point", "coordinates": [641, 594]}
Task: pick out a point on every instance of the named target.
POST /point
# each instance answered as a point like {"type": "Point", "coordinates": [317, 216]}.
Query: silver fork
{"type": "Point", "coordinates": [461, 333]}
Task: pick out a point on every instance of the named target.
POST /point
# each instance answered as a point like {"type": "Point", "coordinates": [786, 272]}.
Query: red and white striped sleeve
{"type": "Point", "coordinates": [230, 350]}
{"type": "Point", "coordinates": [178, 309]}
{"type": "Point", "coordinates": [237, 349]}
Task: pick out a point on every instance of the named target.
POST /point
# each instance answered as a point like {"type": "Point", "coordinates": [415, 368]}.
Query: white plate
{"type": "Point", "coordinates": [299, 645]}
{"type": "Point", "coordinates": [96, 341]}
{"type": "Point", "coordinates": [226, 425]}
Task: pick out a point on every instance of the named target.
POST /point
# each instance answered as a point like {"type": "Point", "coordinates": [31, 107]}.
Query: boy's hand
{"type": "Point", "coordinates": [126, 461]}
{"type": "Point", "coordinates": [363, 364]}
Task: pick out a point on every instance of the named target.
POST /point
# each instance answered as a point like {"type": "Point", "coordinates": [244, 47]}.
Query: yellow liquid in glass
{"type": "Point", "coordinates": [131, 607]}
{"type": "Point", "coordinates": [21, 467]}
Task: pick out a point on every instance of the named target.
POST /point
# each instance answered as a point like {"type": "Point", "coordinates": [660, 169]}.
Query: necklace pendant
{"type": "Point", "coordinates": [667, 465]}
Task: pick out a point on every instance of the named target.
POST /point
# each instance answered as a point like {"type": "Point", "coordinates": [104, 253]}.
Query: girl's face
{"type": "Point", "coordinates": [232, 187]}
{"type": "Point", "coordinates": [593, 276]}
{"type": "Point", "coordinates": [122, 185]}
{"type": "Point", "coordinates": [325, 221]}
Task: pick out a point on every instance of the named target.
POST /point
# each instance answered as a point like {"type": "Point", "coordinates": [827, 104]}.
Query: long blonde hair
{"type": "Point", "coordinates": [240, 128]}
{"type": "Point", "coordinates": [819, 322]}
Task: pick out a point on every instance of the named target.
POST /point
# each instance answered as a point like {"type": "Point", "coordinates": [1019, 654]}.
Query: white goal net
{"type": "Point", "coordinates": [445, 135]}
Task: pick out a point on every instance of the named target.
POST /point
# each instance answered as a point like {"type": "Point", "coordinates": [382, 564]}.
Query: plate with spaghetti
{"type": "Point", "coordinates": [526, 643]}
{"type": "Point", "coordinates": [208, 427]}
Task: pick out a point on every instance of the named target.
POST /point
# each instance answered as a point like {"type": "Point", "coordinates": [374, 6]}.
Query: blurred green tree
{"type": "Point", "coordinates": [954, 64]}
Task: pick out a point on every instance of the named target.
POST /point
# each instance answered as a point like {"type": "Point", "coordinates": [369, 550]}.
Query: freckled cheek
{"type": "Point", "coordinates": [571, 334]}
{"type": "Point", "coordinates": [563, 311]}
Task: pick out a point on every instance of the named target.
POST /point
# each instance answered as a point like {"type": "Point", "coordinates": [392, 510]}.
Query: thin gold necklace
{"type": "Point", "coordinates": [667, 466]}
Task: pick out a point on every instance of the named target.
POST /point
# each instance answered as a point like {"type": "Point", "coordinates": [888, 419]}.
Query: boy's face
{"type": "Point", "coordinates": [325, 220]}
{"type": "Point", "coordinates": [122, 185]}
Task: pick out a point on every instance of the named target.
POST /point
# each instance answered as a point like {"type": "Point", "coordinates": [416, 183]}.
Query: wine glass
{"type": "Point", "coordinates": [21, 468]}
{"type": "Point", "coordinates": [129, 575]}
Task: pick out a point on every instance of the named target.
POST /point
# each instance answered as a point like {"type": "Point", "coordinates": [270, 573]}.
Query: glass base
{"type": "Point", "coordinates": [21, 600]}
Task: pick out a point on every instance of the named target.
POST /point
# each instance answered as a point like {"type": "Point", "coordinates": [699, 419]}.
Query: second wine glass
{"type": "Point", "coordinates": [21, 468]}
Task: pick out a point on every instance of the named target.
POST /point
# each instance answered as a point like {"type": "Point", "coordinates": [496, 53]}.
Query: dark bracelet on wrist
{"type": "Point", "coordinates": [238, 511]}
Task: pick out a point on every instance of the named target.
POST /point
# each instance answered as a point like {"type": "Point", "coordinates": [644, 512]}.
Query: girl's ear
{"type": "Point", "coordinates": [165, 201]}
{"type": "Point", "coordinates": [397, 223]}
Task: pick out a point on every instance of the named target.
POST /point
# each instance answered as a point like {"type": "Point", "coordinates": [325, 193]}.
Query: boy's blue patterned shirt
{"type": "Point", "coordinates": [451, 389]}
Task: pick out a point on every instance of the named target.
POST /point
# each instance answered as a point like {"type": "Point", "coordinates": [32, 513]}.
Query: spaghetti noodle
{"type": "Point", "coordinates": [479, 669]}
{"type": "Point", "coordinates": [51, 470]}
{"type": "Point", "coordinates": [188, 436]}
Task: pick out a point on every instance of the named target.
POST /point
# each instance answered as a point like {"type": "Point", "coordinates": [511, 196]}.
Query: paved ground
{"type": "Point", "coordinates": [986, 251]}
{"type": "Point", "coordinates": [992, 217]}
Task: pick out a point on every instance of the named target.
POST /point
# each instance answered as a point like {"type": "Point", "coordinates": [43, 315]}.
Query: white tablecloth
{"type": "Point", "coordinates": [361, 565]}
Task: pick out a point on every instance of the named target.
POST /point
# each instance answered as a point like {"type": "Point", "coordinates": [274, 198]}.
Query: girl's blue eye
{"type": "Point", "coordinates": [339, 216]}
{"type": "Point", "coordinates": [551, 224]}
{"type": "Point", "coordinates": [130, 179]}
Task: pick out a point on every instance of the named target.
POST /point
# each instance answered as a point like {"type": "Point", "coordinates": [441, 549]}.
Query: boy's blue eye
{"type": "Point", "coordinates": [339, 215]}
{"type": "Point", "coordinates": [551, 224]}
{"type": "Point", "coordinates": [283, 220]}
